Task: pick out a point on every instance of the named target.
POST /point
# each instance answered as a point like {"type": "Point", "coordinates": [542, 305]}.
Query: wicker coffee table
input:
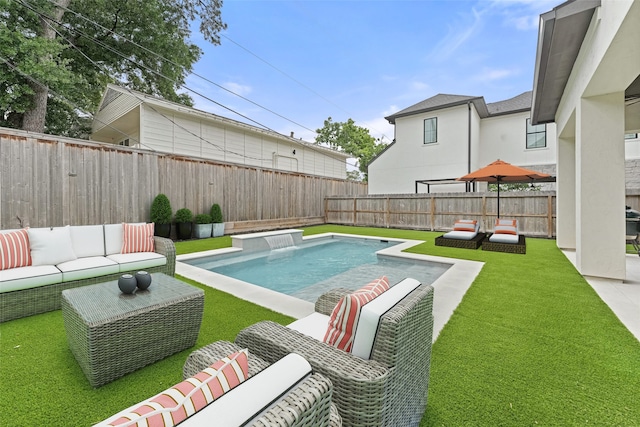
{"type": "Point", "coordinates": [112, 334]}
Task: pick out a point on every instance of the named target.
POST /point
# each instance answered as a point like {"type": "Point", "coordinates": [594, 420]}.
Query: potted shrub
{"type": "Point", "coordinates": [161, 216]}
{"type": "Point", "coordinates": [203, 226]}
{"type": "Point", "coordinates": [184, 223]}
{"type": "Point", "coordinates": [218, 221]}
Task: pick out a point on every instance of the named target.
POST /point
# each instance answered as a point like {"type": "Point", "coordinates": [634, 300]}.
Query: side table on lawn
{"type": "Point", "coordinates": [112, 334]}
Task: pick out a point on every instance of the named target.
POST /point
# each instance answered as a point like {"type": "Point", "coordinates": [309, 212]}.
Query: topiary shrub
{"type": "Point", "coordinates": [216, 214]}
{"type": "Point", "coordinates": [203, 219]}
{"type": "Point", "coordinates": [184, 215]}
{"type": "Point", "coordinates": [161, 210]}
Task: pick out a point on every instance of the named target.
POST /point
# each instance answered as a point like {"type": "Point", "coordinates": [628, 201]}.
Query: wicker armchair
{"type": "Point", "coordinates": [308, 404]}
{"type": "Point", "coordinates": [391, 388]}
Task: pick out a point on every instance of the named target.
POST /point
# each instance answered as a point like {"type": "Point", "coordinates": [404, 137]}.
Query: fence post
{"type": "Point", "coordinates": [355, 210]}
{"type": "Point", "coordinates": [387, 214]}
{"type": "Point", "coordinates": [433, 213]}
{"type": "Point", "coordinates": [549, 216]}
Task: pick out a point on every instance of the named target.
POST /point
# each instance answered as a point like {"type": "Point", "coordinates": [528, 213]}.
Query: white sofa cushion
{"type": "Point", "coordinates": [314, 325]}
{"type": "Point", "coordinates": [138, 260]}
{"type": "Point", "coordinates": [87, 240]}
{"type": "Point", "coordinates": [252, 398]}
{"type": "Point", "coordinates": [87, 267]}
{"type": "Point", "coordinates": [372, 312]}
{"type": "Point", "coordinates": [50, 246]}
{"type": "Point", "coordinates": [15, 279]}
{"type": "Point", "coordinates": [504, 238]}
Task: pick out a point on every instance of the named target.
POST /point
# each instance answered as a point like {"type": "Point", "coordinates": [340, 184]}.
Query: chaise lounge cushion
{"type": "Point", "coordinates": [50, 246]}
{"type": "Point", "coordinates": [463, 229]}
{"type": "Point", "coordinates": [16, 279]}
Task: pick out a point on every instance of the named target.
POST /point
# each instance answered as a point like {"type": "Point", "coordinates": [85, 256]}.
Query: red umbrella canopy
{"type": "Point", "coordinates": [500, 171]}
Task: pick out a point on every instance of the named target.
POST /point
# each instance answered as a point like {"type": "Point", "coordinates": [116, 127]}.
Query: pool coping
{"type": "Point", "coordinates": [450, 287]}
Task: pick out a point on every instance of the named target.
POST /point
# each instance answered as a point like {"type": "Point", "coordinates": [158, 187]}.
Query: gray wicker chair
{"type": "Point", "coordinates": [309, 404]}
{"type": "Point", "coordinates": [388, 390]}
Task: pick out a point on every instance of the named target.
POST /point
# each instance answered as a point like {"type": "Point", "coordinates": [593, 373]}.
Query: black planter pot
{"type": "Point", "coordinates": [162, 230]}
{"type": "Point", "coordinates": [184, 230]}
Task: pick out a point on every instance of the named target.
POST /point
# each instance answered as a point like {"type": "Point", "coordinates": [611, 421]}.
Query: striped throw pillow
{"type": "Point", "coordinates": [137, 238]}
{"type": "Point", "coordinates": [176, 404]}
{"type": "Point", "coordinates": [465, 225]}
{"type": "Point", "coordinates": [344, 318]}
{"type": "Point", "coordinates": [14, 249]}
{"type": "Point", "coordinates": [506, 226]}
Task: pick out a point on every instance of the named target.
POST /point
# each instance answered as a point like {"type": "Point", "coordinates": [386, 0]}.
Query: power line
{"type": "Point", "coordinates": [69, 28]}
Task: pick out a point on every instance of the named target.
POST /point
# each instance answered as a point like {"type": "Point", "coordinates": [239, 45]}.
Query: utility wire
{"type": "Point", "coordinates": [68, 28]}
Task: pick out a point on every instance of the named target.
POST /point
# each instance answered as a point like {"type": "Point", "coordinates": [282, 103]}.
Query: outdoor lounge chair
{"type": "Point", "coordinates": [505, 238]}
{"type": "Point", "coordinates": [386, 387]}
{"type": "Point", "coordinates": [282, 394]}
{"type": "Point", "coordinates": [465, 234]}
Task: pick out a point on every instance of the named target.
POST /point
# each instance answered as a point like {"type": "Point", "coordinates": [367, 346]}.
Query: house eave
{"type": "Point", "coordinates": [479, 103]}
{"type": "Point", "coordinates": [560, 36]}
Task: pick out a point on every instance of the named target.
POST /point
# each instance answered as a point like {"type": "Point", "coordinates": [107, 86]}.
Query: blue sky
{"type": "Point", "coordinates": [309, 60]}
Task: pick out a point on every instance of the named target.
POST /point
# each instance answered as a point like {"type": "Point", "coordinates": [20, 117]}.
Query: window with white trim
{"type": "Point", "coordinates": [431, 130]}
{"type": "Point", "coordinates": [536, 135]}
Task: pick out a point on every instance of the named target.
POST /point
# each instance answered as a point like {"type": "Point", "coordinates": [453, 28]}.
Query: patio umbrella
{"type": "Point", "coordinates": [500, 172]}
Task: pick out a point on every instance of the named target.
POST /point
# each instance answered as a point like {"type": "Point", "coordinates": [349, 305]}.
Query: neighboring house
{"type": "Point", "coordinates": [587, 81]}
{"type": "Point", "coordinates": [134, 119]}
{"type": "Point", "coordinates": [447, 136]}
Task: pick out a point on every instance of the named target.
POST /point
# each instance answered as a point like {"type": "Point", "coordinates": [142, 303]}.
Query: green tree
{"type": "Point", "coordinates": [351, 139]}
{"type": "Point", "coordinates": [68, 50]}
{"type": "Point", "coordinates": [521, 186]}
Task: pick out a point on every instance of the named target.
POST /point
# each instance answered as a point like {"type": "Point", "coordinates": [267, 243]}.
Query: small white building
{"type": "Point", "coordinates": [131, 118]}
{"type": "Point", "coordinates": [447, 136]}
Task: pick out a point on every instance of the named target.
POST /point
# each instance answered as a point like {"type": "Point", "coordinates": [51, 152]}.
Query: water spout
{"type": "Point", "coordinates": [279, 241]}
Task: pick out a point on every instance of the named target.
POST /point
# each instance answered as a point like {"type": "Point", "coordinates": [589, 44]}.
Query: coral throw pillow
{"type": "Point", "coordinates": [137, 238]}
{"type": "Point", "coordinates": [344, 318]}
{"type": "Point", "coordinates": [176, 404]}
{"type": "Point", "coordinates": [14, 249]}
{"type": "Point", "coordinates": [465, 225]}
{"type": "Point", "coordinates": [506, 226]}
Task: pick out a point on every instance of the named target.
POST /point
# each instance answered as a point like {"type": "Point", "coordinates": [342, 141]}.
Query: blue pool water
{"type": "Point", "coordinates": [310, 269]}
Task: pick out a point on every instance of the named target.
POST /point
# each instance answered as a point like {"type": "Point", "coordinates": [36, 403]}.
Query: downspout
{"type": "Point", "coordinates": [468, 185]}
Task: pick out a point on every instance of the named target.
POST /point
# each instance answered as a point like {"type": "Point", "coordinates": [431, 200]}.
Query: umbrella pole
{"type": "Point", "coordinates": [498, 198]}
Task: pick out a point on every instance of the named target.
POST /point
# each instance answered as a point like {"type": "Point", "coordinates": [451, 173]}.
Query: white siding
{"type": "Point", "coordinates": [117, 107]}
{"type": "Point", "coordinates": [505, 137]}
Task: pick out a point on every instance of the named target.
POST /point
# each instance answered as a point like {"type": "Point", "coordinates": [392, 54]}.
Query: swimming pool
{"type": "Point", "coordinates": [310, 268]}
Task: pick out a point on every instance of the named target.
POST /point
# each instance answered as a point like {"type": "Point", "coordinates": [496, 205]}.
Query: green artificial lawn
{"type": "Point", "coordinates": [530, 344]}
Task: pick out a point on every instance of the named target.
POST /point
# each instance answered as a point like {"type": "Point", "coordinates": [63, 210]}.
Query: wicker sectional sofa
{"type": "Point", "coordinates": [80, 255]}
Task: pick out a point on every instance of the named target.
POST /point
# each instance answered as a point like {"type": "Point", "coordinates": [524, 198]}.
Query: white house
{"type": "Point", "coordinates": [132, 118]}
{"type": "Point", "coordinates": [447, 136]}
{"type": "Point", "coordinates": [587, 81]}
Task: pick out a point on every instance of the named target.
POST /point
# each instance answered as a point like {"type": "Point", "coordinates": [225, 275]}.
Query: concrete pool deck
{"type": "Point", "coordinates": [450, 287]}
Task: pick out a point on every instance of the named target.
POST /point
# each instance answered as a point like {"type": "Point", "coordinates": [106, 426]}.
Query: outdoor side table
{"type": "Point", "coordinates": [112, 334]}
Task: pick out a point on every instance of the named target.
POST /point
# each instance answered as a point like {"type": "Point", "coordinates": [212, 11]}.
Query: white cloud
{"type": "Point", "coordinates": [492, 74]}
{"type": "Point", "coordinates": [523, 15]}
{"type": "Point", "coordinates": [238, 88]}
{"type": "Point", "coordinates": [458, 34]}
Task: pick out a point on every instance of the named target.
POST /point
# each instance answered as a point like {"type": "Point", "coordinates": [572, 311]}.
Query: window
{"type": "Point", "coordinates": [431, 130]}
{"type": "Point", "coordinates": [536, 135]}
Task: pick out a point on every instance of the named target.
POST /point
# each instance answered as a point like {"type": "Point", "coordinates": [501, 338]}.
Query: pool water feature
{"type": "Point", "coordinates": [308, 269]}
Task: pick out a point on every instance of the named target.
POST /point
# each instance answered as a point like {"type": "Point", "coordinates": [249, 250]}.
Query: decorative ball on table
{"type": "Point", "coordinates": [143, 280]}
{"type": "Point", "coordinates": [127, 283]}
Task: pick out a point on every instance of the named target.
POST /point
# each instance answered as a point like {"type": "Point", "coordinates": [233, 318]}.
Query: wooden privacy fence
{"type": "Point", "coordinates": [52, 181]}
{"type": "Point", "coordinates": [535, 211]}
